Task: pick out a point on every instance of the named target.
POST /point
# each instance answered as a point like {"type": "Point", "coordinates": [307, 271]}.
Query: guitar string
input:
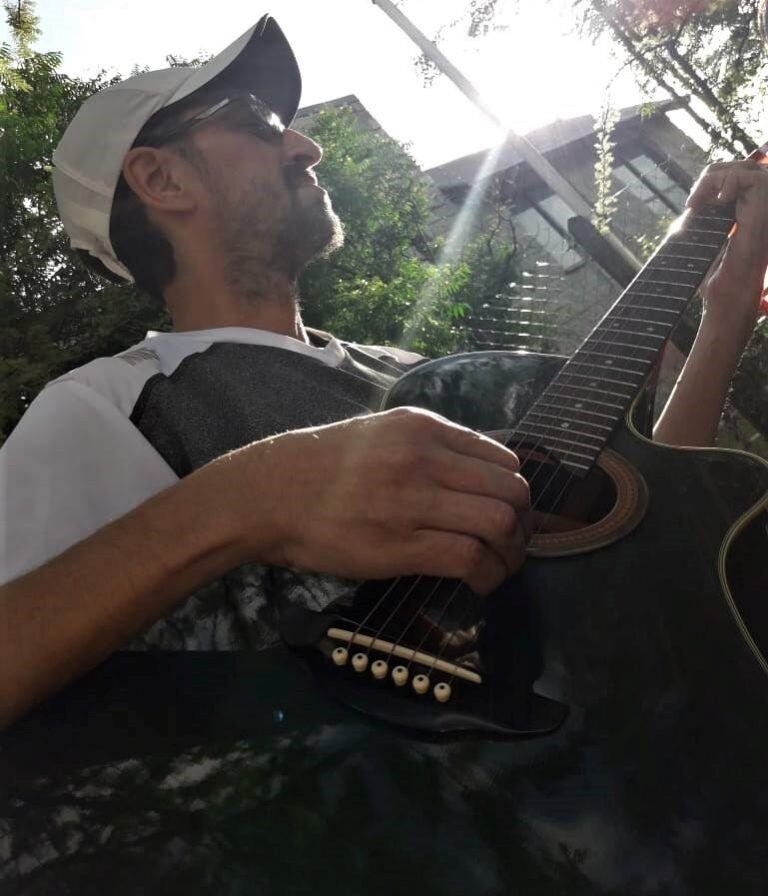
{"type": "Point", "coordinates": [436, 624]}
{"type": "Point", "coordinates": [609, 339]}
{"type": "Point", "coordinates": [603, 339]}
{"type": "Point", "coordinates": [595, 341]}
{"type": "Point", "coordinates": [397, 642]}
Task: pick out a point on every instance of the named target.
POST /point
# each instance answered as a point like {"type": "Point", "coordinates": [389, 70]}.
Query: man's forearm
{"type": "Point", "coordinates": [403, 492]}
{"type": "Point", "coordinates": [692, 414]}
{"type": "Point", "coordinates": [65, 617]}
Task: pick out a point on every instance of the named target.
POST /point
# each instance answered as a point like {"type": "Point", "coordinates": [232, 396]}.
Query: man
{"type": "Point", "coordinates": [130, 515]}
{"type": "Point", "coordinates": [160, 533]}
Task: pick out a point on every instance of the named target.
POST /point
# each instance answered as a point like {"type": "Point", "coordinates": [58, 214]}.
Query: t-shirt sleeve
{"type": "Point", "coordinates": [73, 463]}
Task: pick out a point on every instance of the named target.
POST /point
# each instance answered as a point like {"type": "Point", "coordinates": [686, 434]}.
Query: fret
{"type": "Point", "coordinates": [601, 348]}
{"type": "Point", "coordinates": [671, 252]}
{"type": "Point", "coordinates": [611, 358]}
{"type": "Point", "coordinates": [658, 266]}
{"type": "Point", "coordinates": [602, 343]}
{"type": "Point", "coordinates": [599, 375]}
{"type": "Point", "coordinates": [639, 301]}
{"type": "Point", "coordinates": [710, 215]}
{"type": "Point", "coordinates": [645, 335]}
{"type": "Point", "coordinates": [706, 251]}
{"type": "Point", "coordinates": [578, 420]}
{"type": "Point", "coordinates": [566, 431]}
{"type": "Point", "coordinates": [579, 466]}
{"type": "Point", "coordinates": [693, 233]}
{"type": "Point", "coordinates": [658, 295]}
{"type": "Point", "coordinates": [643, 320]}
{"type": "Point", "coordinates": [642, 329]}
{"type": "Point", "coordinates": [661, 294]}
{"type": "Point", "coordinates": [597, 385]}
{"type": "Point", "coordinates": [579, 394]}
{"type": "Point", "coordinates": [665, 283]}
{"type": "Point", "coordinates": [677, 257]}
{"type": "Point", "coordinates": [699, 233]}
{"type": "Point", "coordinates": [633, 326]}
{"type": "Point", "coordinates": [578, 406]}
{"type": "Point", "coordinates": [664, 262]}
{"type": "Point", "coordinates": [707, 230]}
{"type": "Point", "coordinates": [549, 439]}
{"type": "Point", "coordinates": [703, 245]}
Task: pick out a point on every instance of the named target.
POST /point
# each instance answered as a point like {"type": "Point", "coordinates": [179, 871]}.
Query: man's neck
{"type": "Point", "coordinates": [212, 306]}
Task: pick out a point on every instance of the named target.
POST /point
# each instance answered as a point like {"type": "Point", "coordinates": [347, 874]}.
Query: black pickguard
{"type": "Point", "coordinates": [233, 774]}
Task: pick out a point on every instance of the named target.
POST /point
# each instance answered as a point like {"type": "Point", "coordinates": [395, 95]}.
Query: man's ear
{"type": "Point", "coordinates": [160, 178]}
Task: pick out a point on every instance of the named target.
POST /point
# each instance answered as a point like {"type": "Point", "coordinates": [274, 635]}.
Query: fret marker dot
{"type": "Point", "coordinates": [608, 361]}
{"type": "Point", "coordinates": [565, 424]}
{"type": "Point", "coordinates": [593, 383]}
{"type": "Point", "coordinates": [578, 405]}
{"type": "Point", "coordinates": [650, 329]}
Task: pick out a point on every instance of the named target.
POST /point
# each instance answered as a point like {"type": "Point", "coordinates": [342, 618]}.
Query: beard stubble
{"type": "Point", "coordinates": [275, 230]}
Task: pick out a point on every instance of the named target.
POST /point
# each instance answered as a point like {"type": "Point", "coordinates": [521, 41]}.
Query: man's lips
{"type": "Point", "coordinates": [302, 179]}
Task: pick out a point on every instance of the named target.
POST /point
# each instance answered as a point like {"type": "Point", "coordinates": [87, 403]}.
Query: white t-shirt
{"type": "Point", "coordinates": [75, 461]}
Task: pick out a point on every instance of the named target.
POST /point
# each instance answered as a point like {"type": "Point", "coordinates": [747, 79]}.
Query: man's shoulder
{"type": "Point", "coordinates": [118, 378]}
{"type": "Point", "coordinates": [379, 352]}
{"type": "Point", "coordinates": [389, 353]}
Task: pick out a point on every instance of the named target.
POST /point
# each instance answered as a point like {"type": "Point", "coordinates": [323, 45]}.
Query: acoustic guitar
{"type": "Point", "coordinates": [597, 726]}
{"type": "Point", "coordinates": [424, 653]}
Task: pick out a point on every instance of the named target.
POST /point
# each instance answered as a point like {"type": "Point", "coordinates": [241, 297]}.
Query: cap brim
{"type": "Point", "coordinates": [261, 61]}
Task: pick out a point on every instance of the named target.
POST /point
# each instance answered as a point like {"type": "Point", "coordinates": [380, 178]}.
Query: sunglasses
{"type": "Point", "coordinates": [246, 113]}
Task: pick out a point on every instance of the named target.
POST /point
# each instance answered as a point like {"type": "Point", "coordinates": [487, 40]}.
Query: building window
{"type": "Point", "coordinates": [646, 180]}
{"type": "Point", "coordinates": [546, 221]}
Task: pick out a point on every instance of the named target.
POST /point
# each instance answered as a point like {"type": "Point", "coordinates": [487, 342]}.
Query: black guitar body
{"type": "Point", "coordinates": [657, 782]}
{"type": "Point", "coordinates": [229, 774]}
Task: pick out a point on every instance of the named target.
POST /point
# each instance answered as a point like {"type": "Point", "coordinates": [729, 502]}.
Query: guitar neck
{"type": "Point", "coordinates": [576, 415]}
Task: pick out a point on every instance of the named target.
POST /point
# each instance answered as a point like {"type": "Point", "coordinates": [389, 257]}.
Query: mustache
{"type": "Point", "coordinates": [297, 174]}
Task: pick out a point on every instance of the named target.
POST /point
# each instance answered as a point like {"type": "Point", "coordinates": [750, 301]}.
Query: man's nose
{"type": "Point", "coordinates": [300, 149]}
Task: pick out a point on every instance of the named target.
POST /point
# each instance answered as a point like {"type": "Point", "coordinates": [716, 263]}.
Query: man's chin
{"type": "Point", "coordinates": [326, 237]}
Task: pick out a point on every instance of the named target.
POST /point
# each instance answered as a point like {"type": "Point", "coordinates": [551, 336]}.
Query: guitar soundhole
{"type": "Point", "coordinates": [561, 501]}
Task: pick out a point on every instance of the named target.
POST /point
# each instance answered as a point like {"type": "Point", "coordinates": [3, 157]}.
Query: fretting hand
{"type": "Point", "coordinates": [733, 288]}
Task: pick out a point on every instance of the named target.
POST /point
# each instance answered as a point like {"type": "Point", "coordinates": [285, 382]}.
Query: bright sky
{"type": "Point", "coordinates": [532, 73]}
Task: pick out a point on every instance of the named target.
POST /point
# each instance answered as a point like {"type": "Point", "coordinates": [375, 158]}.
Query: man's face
{"type": "Point", "coordinates": [267, 211]}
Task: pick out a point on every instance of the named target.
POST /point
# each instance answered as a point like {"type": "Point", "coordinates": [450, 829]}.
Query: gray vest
{"type": "Point", "coordinates": [221, 399]}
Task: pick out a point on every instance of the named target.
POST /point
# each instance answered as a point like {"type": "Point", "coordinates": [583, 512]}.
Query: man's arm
{"type": "Point", "coordinates": [398, 493]}
{"type": "Point", "coordinates": [692, 413]}
{"type": "Point", "coordinates": [65, 617]}
{"type": "Point", "coordinates": [731, 299]}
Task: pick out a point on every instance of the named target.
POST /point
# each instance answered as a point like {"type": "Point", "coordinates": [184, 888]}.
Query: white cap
{"type": "Point", "coordinates": [89, 157]}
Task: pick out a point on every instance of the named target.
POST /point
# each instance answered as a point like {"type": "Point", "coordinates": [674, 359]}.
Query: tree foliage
{"type": "Point", "coordinates": [714, 52]}
{"type": "Point", "coordinates": [710, 51]}
{"type": "Point", "coordinates": [53, 313]}
{"type": "Point", "coordinates": [392, 282]}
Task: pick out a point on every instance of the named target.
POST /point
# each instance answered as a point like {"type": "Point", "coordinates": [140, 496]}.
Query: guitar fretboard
{"type": "Point", "coordinates": [576, 414]}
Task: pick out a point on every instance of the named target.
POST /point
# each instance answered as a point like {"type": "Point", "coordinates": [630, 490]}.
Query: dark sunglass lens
{"type": "Point", "coordinates": [263, 122]}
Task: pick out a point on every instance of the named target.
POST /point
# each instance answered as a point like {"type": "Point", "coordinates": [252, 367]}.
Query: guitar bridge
{"type": "Point", "coordinates": [400, 675]}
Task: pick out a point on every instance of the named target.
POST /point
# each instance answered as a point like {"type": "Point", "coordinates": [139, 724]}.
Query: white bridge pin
{"type": "Point", "coordinates": [340, 656]}
{"type": "Point", "coordinates": [379, 669]}
{"type": "Point", "coordinates": [400, 675]}
{"type": "Point", "coordinates": [442, 692]}
{"type": "Point", "coordinates": [421, 684]}
{"type": "Point", "coordinates": [359, 662]}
